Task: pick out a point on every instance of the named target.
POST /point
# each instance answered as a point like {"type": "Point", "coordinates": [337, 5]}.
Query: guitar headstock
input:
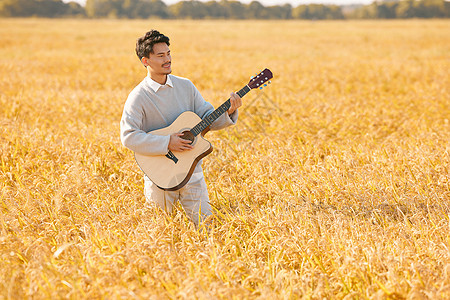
{"type": "Point", "coordinates": [260, 79]}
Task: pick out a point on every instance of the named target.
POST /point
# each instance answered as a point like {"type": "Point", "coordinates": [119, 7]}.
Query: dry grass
{"type": "Point", "coordinates": [334, 184]}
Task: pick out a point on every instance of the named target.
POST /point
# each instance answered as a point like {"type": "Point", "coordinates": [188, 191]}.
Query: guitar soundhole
{"type": "Point", "coordinates": [188, 135]}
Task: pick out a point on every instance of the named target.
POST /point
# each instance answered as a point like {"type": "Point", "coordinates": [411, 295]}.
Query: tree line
{"type": "Point", "coordinates": [224, 9]}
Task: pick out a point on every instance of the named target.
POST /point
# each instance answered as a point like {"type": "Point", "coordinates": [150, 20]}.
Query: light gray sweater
{"type": "Point", "coordinates": [152, 106]}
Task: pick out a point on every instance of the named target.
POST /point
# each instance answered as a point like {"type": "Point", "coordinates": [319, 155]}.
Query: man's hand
{"type": "Point", "coordinates": [236, 102]}
{"type": "Point", "coordinates": [177, 143]}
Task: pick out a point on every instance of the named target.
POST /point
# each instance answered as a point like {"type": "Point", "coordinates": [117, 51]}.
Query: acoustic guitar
{"type": "Point", "coordinates": [172, 171]}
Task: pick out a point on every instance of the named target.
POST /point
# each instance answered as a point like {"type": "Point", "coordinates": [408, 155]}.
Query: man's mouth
{"type": "Point", "coordinates": [167, 65]}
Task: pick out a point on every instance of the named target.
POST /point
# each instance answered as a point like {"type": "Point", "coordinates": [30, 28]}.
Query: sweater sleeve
{"type": "Point", "coordinates": [133, 136]}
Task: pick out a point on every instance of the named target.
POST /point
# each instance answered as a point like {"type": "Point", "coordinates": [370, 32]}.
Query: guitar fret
{"type": "Point", "coordinates": [243, 91]}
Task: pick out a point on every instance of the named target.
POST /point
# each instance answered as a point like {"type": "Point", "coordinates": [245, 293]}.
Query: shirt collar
{"type": "Point", "coordinates": [155, 86]}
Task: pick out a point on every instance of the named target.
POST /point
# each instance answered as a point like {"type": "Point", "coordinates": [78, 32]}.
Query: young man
{"type": "Point", "coordinates": [155, 103]}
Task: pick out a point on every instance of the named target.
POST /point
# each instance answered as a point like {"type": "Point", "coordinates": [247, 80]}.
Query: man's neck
{"type": "Point", "coordinates": [159, 78]}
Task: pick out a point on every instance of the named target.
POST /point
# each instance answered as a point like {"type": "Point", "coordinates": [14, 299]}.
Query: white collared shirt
{"type": "Point", "coordinates": [155, 86]}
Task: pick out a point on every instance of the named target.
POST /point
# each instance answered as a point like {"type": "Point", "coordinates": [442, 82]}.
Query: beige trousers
{"type": "Point", "coordinates": [193, 197]}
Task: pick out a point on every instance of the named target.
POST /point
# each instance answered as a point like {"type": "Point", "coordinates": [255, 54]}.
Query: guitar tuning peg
{"type": "Point", "coordinates": [265, 84]}
{"type": "Point", "coordinates": [269, 82]}
{"type": "Point", "coordinates": [261, 88]}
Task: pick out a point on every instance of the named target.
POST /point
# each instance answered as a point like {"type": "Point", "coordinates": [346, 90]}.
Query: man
{"type": "Point", "coordinates": [155, 103]}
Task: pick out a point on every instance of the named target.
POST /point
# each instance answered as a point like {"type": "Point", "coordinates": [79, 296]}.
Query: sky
{"type": "Point", "coordinates": [294, 3]}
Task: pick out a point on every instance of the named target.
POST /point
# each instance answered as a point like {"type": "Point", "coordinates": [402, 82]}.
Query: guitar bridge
{"type": "Point", "coordinates": [172, 156]}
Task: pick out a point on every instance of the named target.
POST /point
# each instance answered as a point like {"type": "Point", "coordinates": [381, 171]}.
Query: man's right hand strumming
{"type": "Point", "coordinates": [179, 144]}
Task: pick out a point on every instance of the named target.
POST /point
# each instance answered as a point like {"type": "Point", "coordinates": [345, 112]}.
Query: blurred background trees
{"type": "Point", "coordinates": [224, 9]}
{"type": "Point", "coordinates": [39, 8]}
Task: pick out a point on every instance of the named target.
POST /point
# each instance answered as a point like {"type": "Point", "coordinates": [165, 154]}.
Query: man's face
{"type": "Point", "coordinates": [160, 60]}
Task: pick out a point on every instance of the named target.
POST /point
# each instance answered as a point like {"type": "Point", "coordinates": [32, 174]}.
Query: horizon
{"type": "Point", "coordinates": [294, 3]}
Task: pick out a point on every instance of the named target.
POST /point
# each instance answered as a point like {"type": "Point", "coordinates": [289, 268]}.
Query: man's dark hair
{"type": "Point", "coordinates": [144, 44]}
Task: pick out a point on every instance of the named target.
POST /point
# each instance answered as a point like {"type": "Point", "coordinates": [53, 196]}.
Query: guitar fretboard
{"type": "Point", "coordinates": [209, 119]}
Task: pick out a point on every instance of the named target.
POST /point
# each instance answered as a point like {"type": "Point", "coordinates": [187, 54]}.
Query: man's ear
{"type": "Point", "coordinates": [144, 61]}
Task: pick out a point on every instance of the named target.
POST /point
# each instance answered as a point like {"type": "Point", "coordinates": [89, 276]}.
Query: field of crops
{"type": "Point", "coordinates": [333, 184]}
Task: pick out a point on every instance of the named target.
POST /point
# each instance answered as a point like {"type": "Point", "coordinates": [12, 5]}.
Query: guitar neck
{"type": "Point", "coordinates": [209, 119]}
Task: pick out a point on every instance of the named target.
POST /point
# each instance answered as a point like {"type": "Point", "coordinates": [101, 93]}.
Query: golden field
{"type": "Point", "coordinates": [334, 183]}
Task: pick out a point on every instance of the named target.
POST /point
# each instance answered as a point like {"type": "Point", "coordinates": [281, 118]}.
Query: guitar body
{"type": "Point", "coordinates": [171, 174]}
